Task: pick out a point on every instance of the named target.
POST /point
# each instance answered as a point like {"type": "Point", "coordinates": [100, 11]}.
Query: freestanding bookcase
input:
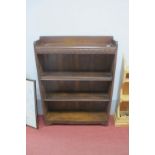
{"type": "Point", "coordinates": [76, 76]}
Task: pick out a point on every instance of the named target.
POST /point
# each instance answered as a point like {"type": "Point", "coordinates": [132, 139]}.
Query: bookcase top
{"type": "Point", "coordinates": [75, 42]}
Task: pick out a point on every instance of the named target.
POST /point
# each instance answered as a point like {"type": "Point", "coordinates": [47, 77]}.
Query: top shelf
{"type": "Point", "coordinates": [73, 45]}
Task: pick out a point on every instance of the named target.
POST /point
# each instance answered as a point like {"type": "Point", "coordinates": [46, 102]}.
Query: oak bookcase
{"type": "Point", "coordinates": [76, 76]}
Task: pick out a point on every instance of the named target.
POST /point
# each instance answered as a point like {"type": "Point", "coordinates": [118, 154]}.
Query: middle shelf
{"type": "Point", "coordinates": [73, 76]}
{"type": "Point", "coordinates": [77, 97]}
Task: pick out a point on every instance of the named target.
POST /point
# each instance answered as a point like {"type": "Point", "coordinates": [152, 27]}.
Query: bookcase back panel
{"type": "Point", "coordinates": [76, 62]}
{"type": "Point", "coordinates": [77, 106]}
{"type": "Point", "coordinates": [76, 86]}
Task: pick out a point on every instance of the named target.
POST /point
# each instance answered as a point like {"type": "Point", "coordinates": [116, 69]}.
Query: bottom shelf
{"type": "Point", "coordinates": [76, 117]}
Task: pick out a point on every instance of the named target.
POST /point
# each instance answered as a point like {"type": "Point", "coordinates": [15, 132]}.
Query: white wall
{"type": "Point", "coordinates": [77, 17]}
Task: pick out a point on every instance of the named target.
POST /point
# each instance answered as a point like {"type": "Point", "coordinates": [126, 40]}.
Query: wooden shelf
{"type": "Point", "coordinates": [76, 117]}
{"type": "Point", "coordinates": [124, 97]}
{"type": "Point", "coordinates": [76, 97]}
{"type": "Point", "coordinates": [126, 80]}
{"type": "Point", "coordinates": [75, 50]}
{"type": "Point", "coordinates": [81, 76]}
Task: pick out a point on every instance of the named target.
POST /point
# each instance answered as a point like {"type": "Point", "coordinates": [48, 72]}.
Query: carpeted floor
{"type": "Point", "coordinates": [77, 140]}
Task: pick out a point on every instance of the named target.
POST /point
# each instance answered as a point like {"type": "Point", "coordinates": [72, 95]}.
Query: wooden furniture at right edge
{"type": "Point", "coordinates": [122, 111]}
